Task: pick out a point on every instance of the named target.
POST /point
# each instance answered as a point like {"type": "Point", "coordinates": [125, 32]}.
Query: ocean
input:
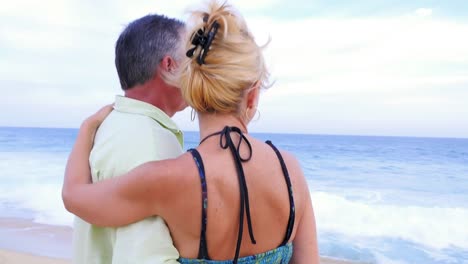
{"type": "Point", "coordinates": [389, 200]}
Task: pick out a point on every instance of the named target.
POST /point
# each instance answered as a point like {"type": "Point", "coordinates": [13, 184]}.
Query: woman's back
{"type": "Point", "coordinates": [269, 202]}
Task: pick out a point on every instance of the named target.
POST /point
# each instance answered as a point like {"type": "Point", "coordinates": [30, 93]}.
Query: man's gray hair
{"type": "Point", "coordinates": [142, 46]}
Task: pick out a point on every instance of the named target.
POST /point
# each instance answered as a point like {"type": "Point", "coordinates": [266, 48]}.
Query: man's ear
{"type": "Point", "coordinates": [167, 64]}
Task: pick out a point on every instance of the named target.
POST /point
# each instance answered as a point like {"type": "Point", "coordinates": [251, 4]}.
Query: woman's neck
{"type": "Point", "coordinates": [212, 123]}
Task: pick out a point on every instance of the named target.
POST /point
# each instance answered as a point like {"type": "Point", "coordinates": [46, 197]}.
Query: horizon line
{"type": "Point", "coordinates": [279, 133]}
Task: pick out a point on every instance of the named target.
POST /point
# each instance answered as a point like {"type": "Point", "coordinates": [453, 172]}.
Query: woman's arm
{"type": "Point", "coordinates": [118, 201]}
{"type": "Point", "coordinates": [305, 241]}
{"type": "Point", "coordinates": [77, 170]}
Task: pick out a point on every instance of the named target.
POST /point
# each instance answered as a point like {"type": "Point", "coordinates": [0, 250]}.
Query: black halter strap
{"type": "Point", "coordinates": [226, 142]}
{"type": "Point", "coordinates": [292, 208]}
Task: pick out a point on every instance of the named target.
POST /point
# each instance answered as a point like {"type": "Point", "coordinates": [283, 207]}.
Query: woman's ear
{"type": "Point", "coordinates": [252, 95]}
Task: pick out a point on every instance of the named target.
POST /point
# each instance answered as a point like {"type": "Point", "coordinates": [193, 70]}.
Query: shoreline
{"type": "Point", "coordinates": [13, 257]}
{"type": "Point", "coordinates": [25, 236]}
{"type": "Point", "coordinates": [25, 241]}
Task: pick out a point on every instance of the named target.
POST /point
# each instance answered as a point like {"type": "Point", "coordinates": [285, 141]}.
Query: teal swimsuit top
{"type": "Point", "coordinates": [280, 255]}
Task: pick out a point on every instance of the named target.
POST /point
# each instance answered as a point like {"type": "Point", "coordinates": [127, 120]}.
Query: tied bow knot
{"type": "Point", "coordinates": [200, 39]}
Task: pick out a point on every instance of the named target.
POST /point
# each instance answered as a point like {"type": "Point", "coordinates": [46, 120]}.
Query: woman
{"type": "Point", "coordinates": [231, 184]}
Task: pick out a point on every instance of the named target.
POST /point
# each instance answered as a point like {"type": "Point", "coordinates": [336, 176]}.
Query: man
{"type": "Point", "coordinates": [137, 131]}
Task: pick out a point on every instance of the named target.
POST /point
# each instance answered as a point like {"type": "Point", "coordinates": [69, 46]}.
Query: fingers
{"type": "Point", "coordinates": [103, 112]}
{"type": "Point", "coordinates": [95, 120]}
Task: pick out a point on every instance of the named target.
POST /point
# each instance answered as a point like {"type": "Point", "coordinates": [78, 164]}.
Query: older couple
{"type": "Point", "coordinates": [233, 199]}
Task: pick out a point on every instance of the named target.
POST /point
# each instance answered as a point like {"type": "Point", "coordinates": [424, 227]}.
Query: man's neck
{"type": "Point", "coordinates": [145, 94]}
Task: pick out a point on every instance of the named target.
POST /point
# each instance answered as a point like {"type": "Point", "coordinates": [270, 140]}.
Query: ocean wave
{"type": "Point", "coordinates": [434, 227]}
{"type": "Point", "coordinates": [42, 200]}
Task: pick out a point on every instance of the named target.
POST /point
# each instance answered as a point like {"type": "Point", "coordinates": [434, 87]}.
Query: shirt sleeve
{"type": "Point", "coordinates": [119, 150]}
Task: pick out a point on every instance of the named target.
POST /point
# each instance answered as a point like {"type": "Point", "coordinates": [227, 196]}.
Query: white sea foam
{"type": "Point", "coordinates": [434, 227]}
{"type": "Point", "coordinates": [381, 259]}
{"type": "Point", "coordinates": [42, 200]}
{"type": "Point", "coordinates": [33, 181]}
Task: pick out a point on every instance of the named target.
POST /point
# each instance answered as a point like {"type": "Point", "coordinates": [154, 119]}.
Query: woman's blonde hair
{"type": "Point", "coordinates": [233, 63]}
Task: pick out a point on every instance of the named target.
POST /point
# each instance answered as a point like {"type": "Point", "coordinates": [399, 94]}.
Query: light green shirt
{"type": "Point", "coordinates": [134, 133]}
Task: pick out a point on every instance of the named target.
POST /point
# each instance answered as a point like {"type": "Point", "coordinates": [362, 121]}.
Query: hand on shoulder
{"type": "Point", "coordinates": [95, 120]}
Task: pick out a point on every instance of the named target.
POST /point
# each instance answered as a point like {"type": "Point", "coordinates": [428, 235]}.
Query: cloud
{"type": "Point", "coordinates": [369, 56]}
{"type": "Point", "coordinates": [402, 71]}
{"type": "Point", "coordinates": [255, 5]}
{"type": "Point", "coordinates": [328, 70]}
{"type": "Point", "coordinates": [370, 45]}
{"type": "Point", "coordinates": [50, 12]}
{"type": "Point", "coordinates": [423, 12]}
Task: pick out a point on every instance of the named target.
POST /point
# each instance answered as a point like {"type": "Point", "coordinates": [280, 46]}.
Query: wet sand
{"type": "Point", "coordinates": [23, 241]}
{"type": "Point", "coordinates": [11, 257]}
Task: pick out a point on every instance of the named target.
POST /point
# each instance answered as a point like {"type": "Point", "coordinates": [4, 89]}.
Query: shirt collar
{"type": "Point", "coordinates": [132, 106]}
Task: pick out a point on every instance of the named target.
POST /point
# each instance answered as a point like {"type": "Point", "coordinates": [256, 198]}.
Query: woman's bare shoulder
{"type": "Point", "coordinates": [169, 171]}
{"type": "Point", "coordinates": [296, 175]}
{"type": "Point", "coordinates": [292, 163]}
{"type": "Point", "coordinates": [169, 181]}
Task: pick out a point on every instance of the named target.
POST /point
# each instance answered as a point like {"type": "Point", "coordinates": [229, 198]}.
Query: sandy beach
{"type": "Point", "coordinates": [24, 241]}
{"type": "Point", "coordinates": [11, 257]}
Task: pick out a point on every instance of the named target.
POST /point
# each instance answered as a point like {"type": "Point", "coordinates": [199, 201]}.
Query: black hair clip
{"type": "Point", "coordinates": [204, 41]}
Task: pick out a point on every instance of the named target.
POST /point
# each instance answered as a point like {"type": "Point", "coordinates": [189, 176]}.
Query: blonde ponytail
{"type": "Point", "coordinates": [214, 78]}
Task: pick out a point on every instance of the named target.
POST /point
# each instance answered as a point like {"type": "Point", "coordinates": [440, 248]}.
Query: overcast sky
{"type": "Point", "coordinates": [363, 67]}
